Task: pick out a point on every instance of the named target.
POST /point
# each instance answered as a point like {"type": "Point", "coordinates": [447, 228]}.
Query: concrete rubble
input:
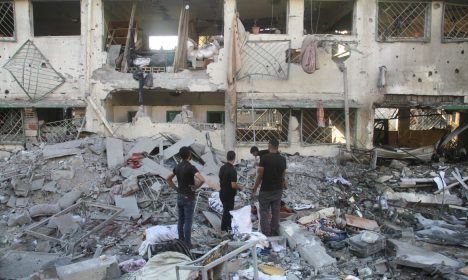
{"type": "Point", "coordinates": [83, 207]}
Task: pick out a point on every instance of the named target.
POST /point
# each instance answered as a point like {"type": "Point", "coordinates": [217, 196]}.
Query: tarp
{"type": "Point", "coordinates": [180, 59]}
{"type": "Point", "coordinates": [238, 39]}
{"type": "Point", "coordinates": [163, 267]}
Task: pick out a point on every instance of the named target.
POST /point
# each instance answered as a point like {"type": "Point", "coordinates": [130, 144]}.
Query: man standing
{"type": "Point", "coordinates": [257, 153]}
{"type": "Point", "coordinates": [271, 175]}
{"type": "Point", "coordinates": [229, 187]}
{"type": "Point", "coordinates": [186, 174]}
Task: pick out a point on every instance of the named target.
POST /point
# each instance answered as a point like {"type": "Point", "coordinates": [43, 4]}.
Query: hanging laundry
{"type": "Point", "coordinates": [320, 115]}
{"type": "Point", "coordinates": [309, 58]}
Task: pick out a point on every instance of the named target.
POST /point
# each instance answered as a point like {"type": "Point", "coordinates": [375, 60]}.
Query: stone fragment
{"type": "Point", "coordinates": [310, 247]}
{"type": "Point", "coordinates": [62, 174]}
{"type": "Point", "coordinates": [174, 149]}
{"type": "Point", "coordinates": [50, 187]}
{"type": "Point", "coordinates": [49, 153]}
{"type": "Point", "coordinates": [114, 151]}
{"type": "Point", "coordinates": [37, 184]}
{"type": "Point", "coordinates": [324, 213]}
{"type": "Point", "coordinates": [425, 198]}
{"type": "Point", "coordinates": [21, 264]}
{"type": "Point", "coordinates": [143, 145]}
{"type": "Point", "coordinates": [130, 186]}
{"type": "Point", "coordinates": [96, 269]}
{"type": "Point", "coordinates": [44, 210]}
{"type": "Point", "coordinates": [65, 223]}
{"type": "Point", "coordinates": [20, 187]}
{"type": "Point", "coordinates": [19, 219]}
{"type": "Point", "coordinates": [150, 166]}
{"type": "Point", "coordinates": [396, 164]}
{"type": "Point", "coordinates": [412, 256]}
{"type": "Point", "coordinates": [385, 178]}
{"type": "Point", "coordinates": [130, 206]}
{"type": "Point", "coordinates": [69, 199]}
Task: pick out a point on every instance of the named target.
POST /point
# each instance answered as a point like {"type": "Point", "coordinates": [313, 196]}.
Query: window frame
{"type": "Point", "coordinates": [286, 31]}
{"type": "Point", "coordinates": [427, 23]}
{"type": "Point", "coordinates": [14, 37]}
{"type": "Point", "coordinates": [216, 112]}
{"type": "Point", "coordinates": [353, 23]}
{"type": "Point", "coordinates": [169, 112]}
{"type": "Point", "coordinates": [442, 35]}
{"type": "Point", "coordinates": [32, 20]}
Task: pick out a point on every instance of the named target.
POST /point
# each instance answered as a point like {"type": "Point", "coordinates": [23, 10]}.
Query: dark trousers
{"type": "Point", "coordinates": [228, 205]}
{"type": "Point", "coordinates": [186, 207]}
{"type": "Point", "coordinates": [270, 202]}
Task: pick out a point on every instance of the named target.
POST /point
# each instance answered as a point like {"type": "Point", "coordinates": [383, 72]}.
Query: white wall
{"type": "Point", "coordinates": [158, 113]}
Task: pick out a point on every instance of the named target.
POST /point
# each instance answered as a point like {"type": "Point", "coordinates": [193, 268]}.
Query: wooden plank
{"type": "Point", "coordinates": [361, 223]}
{"type": "Point", "coordinates": [124, 66]}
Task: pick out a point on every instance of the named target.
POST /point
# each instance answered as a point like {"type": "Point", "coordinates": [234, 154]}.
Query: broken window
{"type": "Point", "coordinates": [56, 18]}
{"type": "Point", "coordinates": [403, 20]}
{"type": "Point", "coordinates": [171, 115]}
{"type": "Point", "coordinates": [215, 117]}
{"type": "Point", "coordinates": [263, 16]}
{"type": "Point", "coordinates": [410, 127]}
{"type": "Point", "coordinates": [11, 126]}
{"type": "Point", "coordinates": [153, 33]}
{"type": "Point", "coordinates": [7, 21]}
{"type": "Point", "coordinates": [261, 125]}
{"type": "Point", "coordinates": [326, 128]}
{"type": "Point", "coordinates": [329, 17]}
{"type": "Point", "coordinates": [455, 26]}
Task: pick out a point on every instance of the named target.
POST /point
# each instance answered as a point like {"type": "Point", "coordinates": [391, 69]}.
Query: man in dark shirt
{"type": "Point", "coordinates": [271, 175]}
{"type": "Point", "coordinates": [229, 187]}
{"type": "Point", "coordinates": [186, 174]}
{"type": "Point", "coordinates": [258, 153]}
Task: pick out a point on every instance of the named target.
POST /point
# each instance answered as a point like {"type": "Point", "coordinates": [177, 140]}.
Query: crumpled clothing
{"type": "Point", "coordinates": [132, 265]}
{"type": "Point", "coordinates": [215, 203]}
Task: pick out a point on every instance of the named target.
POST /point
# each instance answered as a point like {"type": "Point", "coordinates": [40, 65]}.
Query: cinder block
{"type": "Point", "coordinates": [96, 269]}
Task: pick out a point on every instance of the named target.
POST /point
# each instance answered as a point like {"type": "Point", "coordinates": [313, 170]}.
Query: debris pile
{"type": "Point", "coordinates": [101, 206]}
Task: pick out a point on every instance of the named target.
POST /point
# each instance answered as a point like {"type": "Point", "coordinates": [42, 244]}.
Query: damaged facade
{"type": "Point", "coordinates": [406, 56]}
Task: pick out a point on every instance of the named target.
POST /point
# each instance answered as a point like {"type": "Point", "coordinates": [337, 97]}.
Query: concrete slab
{"type": "Point", "coordinates": [128, 172]}
{"type": "Point", "coordinates": [412, 256]}
{"type": "Point", "coordinates": [150, 166]}
{"type": "Point", "coordinates": [310, 247]}
{"type": "Point", "coordinates": [144, 144]}
{"type": "Point", "coordinates": [174, 149]}
{"type": "Point", "coordinates": [213, 219]}
{"type": "Point", "coordinates": [425, 198]}
{"type": "Point", "coordinates": [130, 206]}
{"type": "Point", "coordinates": [56, 175]}
{"type": "Point", "coordinates": [65, 223]}
{"type": "Point", "coordinates": [50, 187]}
{"type": "Point", "coordinates": [49, 153]}
{"type": "Point", "coordinates": [114, 151]}
{"type": "Point", "coordinates": [20, 188]}
{"type": "Point", "coordinates": [28, 262]}
{"type": "Point", "coordinates": [69, 199]}
{"type": "Point", "coordinates": [68, 145]}
{"type": "Point", "coordinates": [96, 269]}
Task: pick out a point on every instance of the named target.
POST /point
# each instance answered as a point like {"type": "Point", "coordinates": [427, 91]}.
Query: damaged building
{"type": "Point", "coordinates": [304, 73]}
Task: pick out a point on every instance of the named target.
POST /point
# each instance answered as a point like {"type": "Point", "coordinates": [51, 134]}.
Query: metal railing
{"type": "Point", "coordinates": [11, 126]}
{"type": "Point", "coordinates": [261, 125]}
{"type": "Point", "coordinates": [7, 21]}
{"type": "Point", "coordinates": [403, 20]}
{"type": "Point", "coordinates": [330, 132]}
{"type": "Point", "coordinates": [455, 23]}
{"type": "Point", "coordinates": [61, 131]}
{"type": "Point", "coordinates": [265, 60]}
{"type": "Point", "coordinates": [33, 72]}
{"type": "Point", "coordinates": [427, 119]}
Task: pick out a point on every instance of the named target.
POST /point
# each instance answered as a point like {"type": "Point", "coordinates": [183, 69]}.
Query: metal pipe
{"type": "Point", "coordinates": [346, 105]}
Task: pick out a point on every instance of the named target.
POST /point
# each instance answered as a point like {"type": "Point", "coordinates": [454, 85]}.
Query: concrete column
{"type": "Point", "coordinates": [404, 126]}
{"type": "Point", "coordinates": [230, 126]}
{"type": "Point", "coordinates": [296, 18]}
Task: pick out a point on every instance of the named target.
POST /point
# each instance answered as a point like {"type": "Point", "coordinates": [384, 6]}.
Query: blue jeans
{"type": "Point", "coordinates": [186, 207]}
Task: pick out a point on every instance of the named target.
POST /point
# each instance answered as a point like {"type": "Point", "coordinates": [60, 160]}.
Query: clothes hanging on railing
{"type": "Point", "coordinates": [309, 55]}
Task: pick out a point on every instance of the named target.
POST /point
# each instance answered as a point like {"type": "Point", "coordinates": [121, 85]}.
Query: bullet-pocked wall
{"type": "Point", "coordinates": [53, 70]}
